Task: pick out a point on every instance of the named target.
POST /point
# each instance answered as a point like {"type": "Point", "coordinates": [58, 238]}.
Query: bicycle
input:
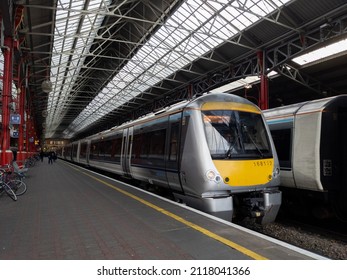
{"type": "Point", "coordinates": [14, 180]}
{"type": "Point", "coordinates": [4, 187]}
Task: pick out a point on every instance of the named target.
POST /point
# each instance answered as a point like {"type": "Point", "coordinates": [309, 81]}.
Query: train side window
{"type": "Point", "coordinates": [74, 150]}
{"type": "Point", "coordinates": [94, 150]}
{"type": "Point", "coordinates": [101, 150]}
{"type": "Point", "coordinates": [283, 142]}
{"type": "Point", "coordinates": [106, 149]}
{"type": "Point", "coordinates": [83, 151]}
{"type": "Point", "coordinates": [149, 148]}
{"type": "Point", "coordinates": [157, 144]}
{"type": "Point", "coordinates": [116, 149]}
{"type": "Point", "coordinates": [140, 147]}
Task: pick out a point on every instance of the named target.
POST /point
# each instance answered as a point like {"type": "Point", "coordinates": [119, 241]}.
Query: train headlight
{"type": "Point", "coordinates": [212, 176]}
{"type": "Point", "coordinates": [276, 172]}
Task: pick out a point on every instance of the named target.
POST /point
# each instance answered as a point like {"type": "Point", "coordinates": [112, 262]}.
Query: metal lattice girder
{"type": "Point", "coordinates": [304, 41]}
{"type": "Point", "coordinates": [305, 80]}
{"type": "Point", "coordinates": [275, 60]}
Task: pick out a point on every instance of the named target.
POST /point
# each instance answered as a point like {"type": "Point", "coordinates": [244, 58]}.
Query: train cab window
{"type": "Point", "coordinates": [235, 134]}
{"type": "Point", "coordinates": [282, 140]}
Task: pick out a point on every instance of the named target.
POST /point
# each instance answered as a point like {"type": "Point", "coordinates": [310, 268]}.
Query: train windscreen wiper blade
{"type": "Point", "coordinates": [244, 127]}
{"type": "Point", "coordinates": [231, 147]}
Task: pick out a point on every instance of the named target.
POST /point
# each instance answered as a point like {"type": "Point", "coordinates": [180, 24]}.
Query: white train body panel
{"type": "Point", "coordinates": [306, 154]}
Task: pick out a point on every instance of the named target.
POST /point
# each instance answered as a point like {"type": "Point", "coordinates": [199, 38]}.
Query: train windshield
{"type": "Point", "coordinates": [235, 134]}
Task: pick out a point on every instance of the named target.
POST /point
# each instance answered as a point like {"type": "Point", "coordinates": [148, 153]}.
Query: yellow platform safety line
{"type": "Point", "coordinates": [204, 231]}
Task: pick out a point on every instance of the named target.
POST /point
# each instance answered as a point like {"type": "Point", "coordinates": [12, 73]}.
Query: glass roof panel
{"type": "Point", "coordinates": [194, 29]}
{"type": "Point", "coordinates": [68, 52]}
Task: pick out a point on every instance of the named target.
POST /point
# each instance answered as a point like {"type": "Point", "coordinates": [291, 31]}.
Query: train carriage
{"type": "Point", "coordinates": [214, 153]}
{"type": "Point", "coordinates": [311, 142]}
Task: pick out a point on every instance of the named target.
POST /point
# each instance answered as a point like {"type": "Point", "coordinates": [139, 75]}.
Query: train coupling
{"type": "Point", "coordinates": [257, 214]}
{"type": "Point", "coordinates": [265, 208]}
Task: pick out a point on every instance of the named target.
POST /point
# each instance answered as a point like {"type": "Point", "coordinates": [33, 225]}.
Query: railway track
{"type": "Point", "coordinates": [327, 238]}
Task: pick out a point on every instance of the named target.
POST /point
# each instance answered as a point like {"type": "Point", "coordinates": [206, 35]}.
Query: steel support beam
{"type": "Point", "coordinates": [264, 83]}
{"type": "Point", "coordinates": [305, 80]}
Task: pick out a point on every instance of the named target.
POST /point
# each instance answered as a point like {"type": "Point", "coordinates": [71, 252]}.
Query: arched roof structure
{"type": "Point", "coordinates": [114, 60]}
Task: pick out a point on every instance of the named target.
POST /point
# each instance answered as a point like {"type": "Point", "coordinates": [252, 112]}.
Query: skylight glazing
{"type": "Point", "coordinates": [321, 53]}
{"type": "Point", "coordinates": [74, 33]}
{"type": "Point", "coordinates": [192, 31]}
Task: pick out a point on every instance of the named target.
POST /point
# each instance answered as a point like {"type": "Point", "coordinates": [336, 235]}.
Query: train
{"type": "Point", "coordinates": [311, 142]}
{"type": "Point", "coordinates": [213, 153]}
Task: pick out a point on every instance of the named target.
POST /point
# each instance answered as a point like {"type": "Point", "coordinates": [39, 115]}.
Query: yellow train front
{"type": "Point", "coordinates": [214, 153]}
{"type": "Point", "coordinates": [228, 165]}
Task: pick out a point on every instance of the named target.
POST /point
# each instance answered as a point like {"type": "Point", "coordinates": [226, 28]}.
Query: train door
{"type": "Point", "coordinates": [88, 151]}
{"type": "Point", "coordinates": [282, 132]}
{"type": "Point", "coordinates": [78, 151]}
{"type": "Point", "coordinates": [172, 157]}
{"type": "Point", "coordinates": [126, 151]}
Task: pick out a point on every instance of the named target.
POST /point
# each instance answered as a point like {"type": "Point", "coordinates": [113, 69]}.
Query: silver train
{"type": "Point", "coordinates": [214, 153]}
{"type": "Point", "coordinates": [311, 143]}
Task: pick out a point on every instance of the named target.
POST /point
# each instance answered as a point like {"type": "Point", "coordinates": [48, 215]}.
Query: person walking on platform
{"type": "Point", "coordinates": [50, 158]}
{"type": "Point", "coordinates": [41, 155]}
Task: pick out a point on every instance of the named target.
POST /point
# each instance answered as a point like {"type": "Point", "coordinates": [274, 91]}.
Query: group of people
{"type": "Point", "coordinates": [52, 156]}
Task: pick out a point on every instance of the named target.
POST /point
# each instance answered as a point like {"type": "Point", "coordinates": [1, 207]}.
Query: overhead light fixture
{"type": "Point", "coordinates": [246, 82]}
{"type": "Point", "coordinates": [322, 53]}
{"type": "Point", "coordinates": [46, 86]}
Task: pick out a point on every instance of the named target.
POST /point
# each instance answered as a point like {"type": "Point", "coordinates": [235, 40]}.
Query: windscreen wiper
{"type": "Point", "coordinates": [245, 129]}
{"type": "Point", "coordinates": [231, 147]}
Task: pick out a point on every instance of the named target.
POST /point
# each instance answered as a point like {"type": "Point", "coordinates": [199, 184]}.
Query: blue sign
{"type": "Point", "coordinates": [14, 133]}
{"type": "Point", "coordinates": [14, 119]}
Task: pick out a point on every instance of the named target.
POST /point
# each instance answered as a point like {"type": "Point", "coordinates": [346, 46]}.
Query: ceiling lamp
{"type": "Point", "coordinates": [46, 86]}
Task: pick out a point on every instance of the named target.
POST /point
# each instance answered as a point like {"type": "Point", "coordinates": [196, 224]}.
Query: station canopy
{"type": "Point", "coordinates": [113, 61]}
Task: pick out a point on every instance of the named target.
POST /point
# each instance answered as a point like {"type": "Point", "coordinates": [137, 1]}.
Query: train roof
{"type": "Point", "coordinates": [307, 106]}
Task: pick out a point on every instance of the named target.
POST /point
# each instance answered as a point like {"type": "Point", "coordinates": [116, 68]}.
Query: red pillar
{"type": "Point", "coordinates": [264, 84]}
{"type": "Point", "coordinates": [27, 127]}
{"type": "Point", "coordinates": [264, 92]}
{"type": "Point", "coordinates": [6, 153]}
{"type": "Point", "coordinates": [30, 136]}
{"type": "Point", "coordinates": [21, 155]}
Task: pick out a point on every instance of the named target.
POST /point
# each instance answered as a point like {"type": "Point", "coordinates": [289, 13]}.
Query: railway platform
{"type": "Point", "coordinates": [70, 213]}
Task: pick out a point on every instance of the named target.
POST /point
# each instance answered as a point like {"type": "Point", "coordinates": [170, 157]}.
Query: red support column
{"type": "Point", "coordinates": [27, 133]}
{"type": "Point", "coordinates": [6, 153]}
{"type": "Point", "coordinates": [264, 84]}
{"type": "Point", "coordinates": [21, 155]}
{"type": "Point", "coordinates": [264, 92]}
{"type": "Point", "coordinates": [30, 135]}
